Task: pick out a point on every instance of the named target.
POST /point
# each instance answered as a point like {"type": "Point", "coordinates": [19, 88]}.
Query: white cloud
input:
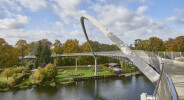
{"type": "Point", "coordinates": [14, 23]}
{"type": "Point", "coordinates": [129, 25]}
{"type": "Point", "coordinates": [179, 18]}
{"type": "Point", "coordinates": [142, 9]}
{"type": "Point", "coordinates": [10, 4]}
{"type": "Point", "coordinates": [176, 19]}
{"type": "Point", "coordinates": [33, 5]}
{"type": "Point", "coordinates": [68, 10]}
{"type": "Point", "coordinates": [179, 12]}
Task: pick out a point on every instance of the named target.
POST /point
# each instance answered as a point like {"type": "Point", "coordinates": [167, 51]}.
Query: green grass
{"type": "Point", "coordinates": [129, 69]}
{"type": "Point", "coordinates": [86, 71]}
{"type": "Point", "coordinates": [4, 79]}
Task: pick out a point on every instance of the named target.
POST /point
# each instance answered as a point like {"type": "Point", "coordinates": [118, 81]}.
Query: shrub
{"type": "Point", "coordinates": [39, 74]}
{"type": "Point", "coordinates": [17, 79]}
{"type": "Point", "coordinates": [18, 69]}
{"type": "Point", "coordinates": [106, 65]}
{"type": "Point", "coordinates": [50, 71]}
{"type": "Point", "coordinates": [30, 67]}
{"type": "Point", "coordinates": [4, 85]}
{"type": "Point", "coordinates": [7, 73]}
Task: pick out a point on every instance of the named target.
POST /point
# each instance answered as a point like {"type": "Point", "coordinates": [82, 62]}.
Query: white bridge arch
{"type": "Point", "coordinates": [146, 69]}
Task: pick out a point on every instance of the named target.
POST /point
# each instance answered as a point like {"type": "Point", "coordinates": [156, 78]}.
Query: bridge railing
{"type": "Point", "coordinates": [172, 55]}
{"type": "Point", "coordinates": [165, 89]}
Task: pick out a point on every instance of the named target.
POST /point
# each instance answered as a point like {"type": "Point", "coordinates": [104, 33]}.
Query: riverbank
{"type": "Point", "coordinates": [65, 75]}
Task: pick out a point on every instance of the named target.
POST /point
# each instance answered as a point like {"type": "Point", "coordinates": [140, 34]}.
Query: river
{"type": "Point", "coordinates": [124, 88]}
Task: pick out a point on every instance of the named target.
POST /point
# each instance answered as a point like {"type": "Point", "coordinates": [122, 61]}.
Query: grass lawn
{"type": "Point", "coordinates": [4, 79]}
{"type": "Point", "coordinates": [85, 71]}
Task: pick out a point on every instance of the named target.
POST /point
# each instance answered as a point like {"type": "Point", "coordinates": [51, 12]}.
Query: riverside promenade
{"type": "Point", "coordinates": [175, 69]}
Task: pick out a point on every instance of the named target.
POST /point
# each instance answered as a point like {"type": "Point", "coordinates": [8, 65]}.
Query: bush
{"type": "Point", "coordinates": [4, 85]}
{"type": "Point", "coordinates": [7, 73]}
{"type": "Point", "coordinates": [39, 74]}
{"type": "Point", "coordinates": [50, 71]}
{"type": "Point", "coordinates": [17, 79]}
{"type": "Point", "coordinates": [106, 65]}
{"type": "Point", "coordinates": [30, 67]}
{"type": "Point", "coordinates": [18, 69]}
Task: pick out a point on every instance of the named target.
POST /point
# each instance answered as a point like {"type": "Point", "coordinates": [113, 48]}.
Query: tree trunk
{"type": "Point", "coordinates": [22, 57]}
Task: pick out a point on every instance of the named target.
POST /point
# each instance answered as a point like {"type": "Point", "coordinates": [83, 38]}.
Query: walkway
{"type": "Point", "coordinates": [175, 69]}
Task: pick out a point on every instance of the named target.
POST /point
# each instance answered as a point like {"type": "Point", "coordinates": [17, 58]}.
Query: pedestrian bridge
{"type": "Point", "coordinates": [166, 74]}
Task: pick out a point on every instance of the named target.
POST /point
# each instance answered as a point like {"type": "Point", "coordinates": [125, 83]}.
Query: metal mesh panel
{"type": "Point", "coordinates": [98, 40]}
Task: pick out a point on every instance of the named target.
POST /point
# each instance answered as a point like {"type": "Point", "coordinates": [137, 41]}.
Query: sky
{"type": "Point", "coordinates": [33, 20]}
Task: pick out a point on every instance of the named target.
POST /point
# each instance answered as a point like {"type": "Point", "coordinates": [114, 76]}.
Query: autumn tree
{"type": "Point", "coordinates": [71, 46]}
{"type": "Point", "coordinates": [179, 43]}
{"type": "Point", "coordinates": [22, 47]}
{"type": "Point", "coordinates": [8, 55]}
{"type": "Point", "coordinates": [169, 45]}
{"type": "Point", "coordinates": [58, 49]}
{"type": "Point", "coordinates": [155, 44]}
{"type": "Point", "coordinates": [7, 73]}
{"type": "Point", "coordinates": [2, 42]}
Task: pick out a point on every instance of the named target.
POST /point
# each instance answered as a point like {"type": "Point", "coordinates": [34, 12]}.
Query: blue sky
{"type": "Point", "coordinates": [33, 20]}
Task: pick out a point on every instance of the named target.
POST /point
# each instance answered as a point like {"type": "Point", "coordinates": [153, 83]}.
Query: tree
{"type": "Point", "coordinates": [50, 71]}
{"type": "Point", "coordinates": [71, 46]}
{"type": "Point", "coordinates": [46, 42]}
{"type": "Point", "coordinates": [155, 44]}
{"type": "Point", "coordinates": [2, 42]}
{"type": "Point", "coordinates": [43, 54]}
{"type": "Point", "coordinates": [39, 58]}
{"type": "Point", "coordinates": [169, 45]}
{"type": "Point", "coordinates": [58, 49]}
{"type": "Point", "coordinates": [7, 73]}
{"type": "Point", "coordinates": [46, 54]}
{"type": "Point", "coordinates": [22, 47]}
{"type": "Point", "coordinates": [8, 56]}
{"type": "Point", "coordinates": [179, 43]}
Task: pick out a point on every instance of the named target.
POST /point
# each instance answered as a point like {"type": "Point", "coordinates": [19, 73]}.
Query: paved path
{"type": "Point", "coordinates": [175, 69]}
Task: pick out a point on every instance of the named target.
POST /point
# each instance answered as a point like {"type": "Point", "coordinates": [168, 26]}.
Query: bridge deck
{"type": "Point", "coordinates": [175, 69]}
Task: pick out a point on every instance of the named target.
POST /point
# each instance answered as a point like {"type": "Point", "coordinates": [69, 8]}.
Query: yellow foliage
{"type": "Point", "coordinates": [50, 71]}
{"type": "Point", "coordinates": [39, 74]}
{"type": "Point", "coordinates": [7, 73]}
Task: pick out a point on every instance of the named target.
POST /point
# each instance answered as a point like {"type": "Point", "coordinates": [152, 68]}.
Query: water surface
{"type": "Point", "coordinates": [124, 88]}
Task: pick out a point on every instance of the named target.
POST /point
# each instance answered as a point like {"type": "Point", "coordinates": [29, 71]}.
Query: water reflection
{"type": "Point", "coordinates": [128, 88]}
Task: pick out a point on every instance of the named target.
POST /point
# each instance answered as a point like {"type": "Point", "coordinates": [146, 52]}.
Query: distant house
{"type": "Point", "coordinates": [114, 65]}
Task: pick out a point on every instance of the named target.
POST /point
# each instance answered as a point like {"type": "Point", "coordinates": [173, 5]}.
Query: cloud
{"type": "Point", "coordinates": [142, 9]}
{"type": "Point", "coordinates": [10, 4]}
{"type": "Point", "coordinates": [33, 5]}
{"type": "Point", "coordinates": [12, 36]}
{"type": "Point", "coordinates": [179, 12]}
{"type": "Point", "coordinates": [68, 10]}
{"type": "Point", "coordinates": [14, 23]}
{"type": "Point", "coordinates": [130, 25]}
{"type": "Point", "coordinates": [178, 18]}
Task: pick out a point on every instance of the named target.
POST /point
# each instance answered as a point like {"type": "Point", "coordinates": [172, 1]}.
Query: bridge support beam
{"type": "Point", "coordinates": [96, 58]}
{"type": "Point", "coordinates": [76, 63]}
